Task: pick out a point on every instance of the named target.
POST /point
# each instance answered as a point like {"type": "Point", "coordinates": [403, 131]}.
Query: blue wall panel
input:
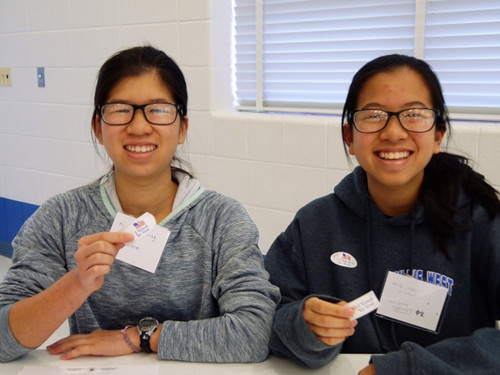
{"type": "Point", "coordinates": [13, 214]}
{"type": "Point", "coordinates": [3, 221]}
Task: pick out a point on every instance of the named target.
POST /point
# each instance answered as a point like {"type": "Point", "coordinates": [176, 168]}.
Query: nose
{"type": "Point", "coordinates": [139, 124]}
{"type": "Point", "coordinates": [393, 131]}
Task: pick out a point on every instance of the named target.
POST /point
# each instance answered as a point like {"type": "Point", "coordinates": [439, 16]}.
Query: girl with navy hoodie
{"type": "Point", "coordinates": [407, 208]}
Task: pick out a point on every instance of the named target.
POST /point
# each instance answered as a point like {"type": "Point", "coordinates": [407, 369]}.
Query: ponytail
{"type": "Point", "coordinates": [444, 177]}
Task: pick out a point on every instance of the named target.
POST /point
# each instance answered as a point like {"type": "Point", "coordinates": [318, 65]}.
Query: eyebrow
{"type": "Point", "coordinates": [406, 105]}
{"type": "Point", "coordinates": [159, 100]}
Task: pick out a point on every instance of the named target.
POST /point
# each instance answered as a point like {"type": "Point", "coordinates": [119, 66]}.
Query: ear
{"type": "Point", "coordinates": [348, 138]}
{"type": "Point", "coordinates": [97, 128]}
{"type": "Point", "coordinates": [439, 136]}
{"type": "Point", "coordinates": [183, 130]}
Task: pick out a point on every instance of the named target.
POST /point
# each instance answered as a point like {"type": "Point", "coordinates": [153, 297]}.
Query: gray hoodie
{"type": "Point", "coordinates": [210, 289]}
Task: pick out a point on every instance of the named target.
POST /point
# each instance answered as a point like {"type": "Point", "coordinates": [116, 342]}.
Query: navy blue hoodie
{"type": "Point", "coordinates": [349, 222]}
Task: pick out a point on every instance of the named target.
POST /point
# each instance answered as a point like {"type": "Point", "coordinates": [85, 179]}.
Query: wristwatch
{"type": "Point", "coordinates": [146, 327]}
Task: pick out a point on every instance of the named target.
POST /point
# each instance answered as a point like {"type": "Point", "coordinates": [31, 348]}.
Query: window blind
{"type": "Point", "coordinates": [462, 44]}
{"type": "Point", "coordinates": [300, 55]}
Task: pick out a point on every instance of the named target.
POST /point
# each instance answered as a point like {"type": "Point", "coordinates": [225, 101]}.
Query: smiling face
{"type": "Point", "coordinates": [394, 159]}
{"type": "Point", "coordinates": [140, 149]}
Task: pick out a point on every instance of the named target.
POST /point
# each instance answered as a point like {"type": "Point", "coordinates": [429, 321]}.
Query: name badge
{"type": "Point", "coordinates": [413, 302]}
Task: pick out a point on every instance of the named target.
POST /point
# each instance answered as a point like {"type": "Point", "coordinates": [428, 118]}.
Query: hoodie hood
{"type": "Point", "coordinates": [358, 200]}
{"type": "Point", "coordinates": [188, 190]}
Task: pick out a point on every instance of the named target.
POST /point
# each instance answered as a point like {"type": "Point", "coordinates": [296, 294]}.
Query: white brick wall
{"type": "Point", "coordinates": [273, 164]}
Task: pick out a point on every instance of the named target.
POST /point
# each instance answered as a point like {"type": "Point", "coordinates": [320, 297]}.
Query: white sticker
{"type": "Point", "coordinates": [364, 305]}
{"type": "Point", "coordinates": [144, 253]}
{"type": "Point", "coordinates": [344, 259]}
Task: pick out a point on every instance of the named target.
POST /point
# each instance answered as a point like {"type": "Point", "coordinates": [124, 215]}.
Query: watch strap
{"type": "Point", "coordinates": [146, 327]}
{"type": "Point", "coordinates": [146, 348]}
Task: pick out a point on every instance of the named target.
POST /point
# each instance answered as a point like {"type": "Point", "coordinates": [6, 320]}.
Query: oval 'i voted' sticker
{"type": "Point", "coordinates": [343, 259]}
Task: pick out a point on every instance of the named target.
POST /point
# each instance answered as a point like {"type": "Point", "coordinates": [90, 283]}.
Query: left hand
{"type": "Point", "coordinates": [98, 343]}
{"type": "Point", "coordinates": [368, 370]}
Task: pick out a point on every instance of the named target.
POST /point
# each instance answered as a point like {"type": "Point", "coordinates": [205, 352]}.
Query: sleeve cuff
{"type": "Point", "coordinates": [11, 348]}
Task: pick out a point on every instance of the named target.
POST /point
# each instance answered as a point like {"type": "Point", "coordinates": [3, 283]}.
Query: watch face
{"type": "Point", "coordinates": [147, 324]}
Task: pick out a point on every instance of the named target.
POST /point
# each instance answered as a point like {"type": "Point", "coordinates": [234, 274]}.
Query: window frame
{"type": "Point", "coordinates": [456, 112]}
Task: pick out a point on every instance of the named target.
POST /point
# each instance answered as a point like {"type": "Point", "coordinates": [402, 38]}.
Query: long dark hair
{"type": "Point", "coordinates": [446, 174]}
{"type": "Point", "coordinates": [136, 61]}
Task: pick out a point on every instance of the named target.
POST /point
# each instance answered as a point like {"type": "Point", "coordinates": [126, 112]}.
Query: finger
{"type": "Point", "coordinates": [73, 346]}
{"type": "Point", "coordinates": [64, 344]}
{"type": "Point", "coordinates": [340, 333]}
{"type": "Point", "coordinates": [99, 257]}
{"type": "Point", "coordinates": [75, 353]}
{"type": "Point", "coordinates": [96, 272]}
{"type": "Point", "coordinates": [322, 307]}
{"type": "Point", "coordinates": [111, 237]}
{"type": "Point", "coordinates": [99, 252]}
{"type": "Point", "coordinates": [326, 321]}
{"type": "Point", "coordinates": [331, 341]}
{"type": "Point", "coordinates": [332, 338]}
{"type": "Point", "coordinates": [92, 268]}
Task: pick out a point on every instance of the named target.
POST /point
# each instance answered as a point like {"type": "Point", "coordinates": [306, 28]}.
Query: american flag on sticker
{"type": "Point", "coordinates": [145, 223]}
{"type": "Point", "coordinates": [139, 224]}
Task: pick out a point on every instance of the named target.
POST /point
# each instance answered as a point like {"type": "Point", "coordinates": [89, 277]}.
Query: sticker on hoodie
{"type": "Point", "coordinates": [343, 259]}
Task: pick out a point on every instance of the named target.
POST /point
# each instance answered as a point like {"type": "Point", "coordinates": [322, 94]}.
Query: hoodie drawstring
{"type": "Point", "coordinates": [369, 255]}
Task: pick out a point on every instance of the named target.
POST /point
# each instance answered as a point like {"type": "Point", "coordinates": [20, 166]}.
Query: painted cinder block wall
{"type": "Point", "coordinates": [272, 163]}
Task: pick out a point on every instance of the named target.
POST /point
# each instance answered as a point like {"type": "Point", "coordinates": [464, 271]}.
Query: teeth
{"type": "Point", "coordinates": [394, 155]}
{"type": "Point", "coordinates": [140, 149]}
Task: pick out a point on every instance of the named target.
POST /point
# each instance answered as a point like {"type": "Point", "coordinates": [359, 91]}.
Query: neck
{"type": "Point", "coordinates": [394, 201]}
{"type": "Point", "coordinates": [138, 196]}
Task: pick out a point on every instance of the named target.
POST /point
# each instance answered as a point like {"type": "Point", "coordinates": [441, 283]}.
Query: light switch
{"type": "Point", "coordinates": [5, 76]}
{"type": "Point", "coordinates": [40, 72]}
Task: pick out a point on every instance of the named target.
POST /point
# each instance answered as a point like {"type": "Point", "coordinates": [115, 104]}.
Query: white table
{"type": "Point", "coordinates": [345, 364]}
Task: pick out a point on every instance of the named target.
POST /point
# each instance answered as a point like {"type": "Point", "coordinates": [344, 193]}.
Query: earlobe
{"type": "Point", "coordinates": [346, 132]}
{"type": "Point", "coordinates": [96, 127]}
{"type": "Point", "coordinates": [347, 135]}
{"type": "Point", "coordinates": [438, 140]}
{"type": "Point", "coordinates": [183, 130]}
{"type": "Point", "coordinates": [440, 136]}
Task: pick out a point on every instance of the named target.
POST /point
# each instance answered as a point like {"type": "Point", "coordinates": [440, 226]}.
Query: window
{"type": "Point", "coordinates": [300, 55]}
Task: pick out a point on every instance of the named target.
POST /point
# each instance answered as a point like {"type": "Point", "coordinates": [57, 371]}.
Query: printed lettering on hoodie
{"type": "Point", "coordinates": [431, 277]}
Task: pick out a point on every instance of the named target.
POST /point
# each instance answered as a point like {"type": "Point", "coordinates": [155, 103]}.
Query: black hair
{"type": "Point", "coordinates": [446, 174]}
{"type": "Point", "coordinates": [134, 62]}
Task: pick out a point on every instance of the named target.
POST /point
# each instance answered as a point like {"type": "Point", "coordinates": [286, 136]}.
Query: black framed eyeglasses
{"type": "Point", "coordinates": [416, 120]}
{"type": "Point", "coordinates": [154, 113]}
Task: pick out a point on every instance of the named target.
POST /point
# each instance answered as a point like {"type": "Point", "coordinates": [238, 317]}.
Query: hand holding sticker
{"type": "Point", "coordinates": [364, 305]}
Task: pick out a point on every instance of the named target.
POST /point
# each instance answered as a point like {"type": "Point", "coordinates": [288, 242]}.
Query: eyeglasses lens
{"type": "Point", "coordinates": [122, 114]}
{"type": "Point", "coordinates": [416, 120]}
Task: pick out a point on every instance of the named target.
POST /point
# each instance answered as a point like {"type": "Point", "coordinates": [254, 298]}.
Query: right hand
{"type": "Point", "coordinates": [97, 343]}
{"type": "Point", "coordinates": [329, 321]}
{"type": "Point", "coordinates": [95, 255]}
